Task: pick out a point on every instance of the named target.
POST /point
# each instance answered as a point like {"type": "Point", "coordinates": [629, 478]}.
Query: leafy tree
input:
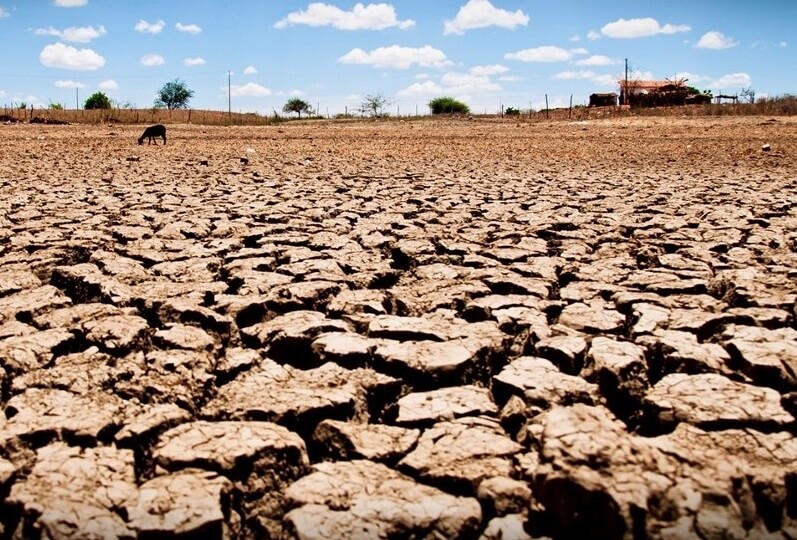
{"type": "Point", "coordinates": [174, 95]}
{"type": "Point", "coordinates": [511, 111]}
{"type": "Point", "coordinates": [448, 105]}
{"type": "Point", "coordinates": [298, 106]}
{"type": "Point", "coordinates": [55, 107]}
{"type": "Point", "coordinates": [97, 100]}
{"type": "Point", "coordinates": [374, 104]}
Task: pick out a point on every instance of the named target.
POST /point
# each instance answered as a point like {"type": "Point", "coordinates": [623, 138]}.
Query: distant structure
{"type": "Point", "coordinates": [603, 100]}
{"type": "Point", "coordinates": [639, 93]}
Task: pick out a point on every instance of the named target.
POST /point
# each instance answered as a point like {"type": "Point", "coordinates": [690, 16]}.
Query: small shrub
{"type": "Point", "coordinates": [448, 105]}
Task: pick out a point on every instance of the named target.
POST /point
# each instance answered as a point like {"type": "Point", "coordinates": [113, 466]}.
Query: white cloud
{"type": "Point", "coordinates": [149, 28]}
{"type": "Point", "coordinates": [151, 60]}
{"type": "Point", "coordinates": [63, 56]}
{"type": "Point", "coordinates": [570, 75]}
{"type": "Point", "coordinates": [546, 53]}
{"type": "Point", "coordinates": [481, 14]}
{"type": "Point", "coordinates": [459, 83]}
{"type": "Point", "coordinates": [605, 80]}
{"type": "Point", "coordinates": [250, 70]}
{"type": "Point", "coordinates": [574, 38]}
{"type": "Point", "coordinates": [715, 40]}
{"type": "Point", "coordinates": [82, 34]}
{"type": "Point", "coordinates": [69, 84]}
{"type": "Point", "coordinates": [510, 78]}
{"type": "Point", "coordinates": [494, 69]}
{"type": "Point", "coordinates": [198, 61]}
{"type": "Point", "coordinates": [452, 83]}
{"type": "Point", "coordinates": [250, 90]}
{"type": "Point", "coordinates": [397, 57]}
{"type": "Point", "coordinates": [592, 35]}
{"type": "Point", "coordinates": [579, 50]}
{"type": "Point", "coordinates": [426, 88]}
{"type": "Point", "coordinates": [4, 13]}
{"type": "Point", "coordinates": [732, 80]}
{"type": "Point", "coordinates": [190, 28]}
{"type": "Point", "coordinates": [361, 17]}
{"type": "Point", "coordinates": [70, 3]}
{"type": "Point", "coordinates": [597, 60]}
{"type": "Point", "coordinates": [108, 84]}
{"type": "Point", "coordinates": [295, 92]}
{"type": "Point", "coordinates": [636, 28]}
{"type": "Point", "coordinates": [783, 44]}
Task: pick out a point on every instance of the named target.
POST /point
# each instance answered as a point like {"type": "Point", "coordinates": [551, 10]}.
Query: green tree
{"type": "Point", "coordinates": [511, 111]}
{"type": "Point", "coordinates": [97, 100]}
{"type": "Point", "coordinates": [296, 105]}
{"type": "Point", "coordinates": [174, 95]}
{"type": "Point", "coordinates": [374, 104]}
{"type": "Point", "coordinates": [448, 105]}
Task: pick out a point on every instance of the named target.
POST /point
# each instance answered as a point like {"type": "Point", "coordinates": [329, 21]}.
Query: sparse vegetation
{"type": "Point", "coordinates": [511, 111]}
{"type": "Point", "coordinates": [374, 105]}
{"type": "Point", "coordinates": [448, 105]}
{"type": "Point", "coordinates": [174, 95]}
{"type": "Point", "coordinates": [97, 100]}
{"type": "Point", "coordinates": [299, 106]}
{"type": "Point", "coordinates": [55, 106]}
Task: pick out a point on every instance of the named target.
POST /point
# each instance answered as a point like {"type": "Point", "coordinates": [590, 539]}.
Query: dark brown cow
{"type": "Point", "coordinates": [151, 132]}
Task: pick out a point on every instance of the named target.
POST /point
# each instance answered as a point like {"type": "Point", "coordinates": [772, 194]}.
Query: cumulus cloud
{"type": "Point", "coordinates": [76, 34]}
{"type": "Point", "coordinates": [604, 80]}
{"type": "Point", "coordinates": [546, 53]}
{"type": "Point", "coordinates": [190, 28]}
{"type": "Point", "coordinates": [596, 60]}
{"type": "Point", "coordinates": [198, 61]}
{"type": "Point", "coordinates": [570, 75]}
{"type": "Point", "coordinates": [361, 17]}
{"type": "Point", "coordinates": [69, 84]}
{"type": "Point", "coordinates": [592, 35]}
{"type": "Point", "coordinates": [452, 83]}
{"type": "Point", "coordinates": [151, 60]}
{"type": "Point", "coordinates": [250, 70]}
{"type": "Point", "coordinates": [481, 14]}
{"type": "Point", "coordinates": [397, 57]}
{"type": "Point", "coordinates": [636, 28]}
{"type": "Point", "coordinates": [70, 3]}
{"type": "Point", "coordinates": [495, 69]}
{"type": "Point", "coordinates": [148, 27]}
{"type": "Point", "coordinates": [250, 90]}
{"type": "Point", "coordinates": [715, 40]}
{"type": "Point", "coordinates": [459, 83]}
{"type": "Point", "coordinates": [63, 56]}
{"type": "Point", "coordinates": [732, 80]}
{"type": "Point", "coordinates": [108, 84]}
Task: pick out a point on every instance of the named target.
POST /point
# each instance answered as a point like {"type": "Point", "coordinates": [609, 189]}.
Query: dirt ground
{"type": "Point", "coordinates": [415, 329]}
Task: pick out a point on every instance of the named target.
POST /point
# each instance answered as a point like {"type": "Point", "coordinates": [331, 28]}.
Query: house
{"type": "Point", "coordinates": [633, 87]}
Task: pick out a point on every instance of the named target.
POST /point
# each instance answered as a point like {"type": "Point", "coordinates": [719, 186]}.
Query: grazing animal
{"type": "Point", "coordinates": [158, 130]}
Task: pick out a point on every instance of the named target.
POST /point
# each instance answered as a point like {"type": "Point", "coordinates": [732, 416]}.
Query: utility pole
{"type": "Point", "coordinates": [625, 88]}
{"type": "Point", "coordinates": [77, 99]}
{"type": "Point", "coordinates": [229, 96]}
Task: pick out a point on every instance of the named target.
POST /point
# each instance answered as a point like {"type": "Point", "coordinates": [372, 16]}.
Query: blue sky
{"type": "Point", "coordinates": [487, 53]}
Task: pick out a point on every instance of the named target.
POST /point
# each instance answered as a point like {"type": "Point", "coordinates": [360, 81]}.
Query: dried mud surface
{"type": "Point", "coordinates": [416, 329]}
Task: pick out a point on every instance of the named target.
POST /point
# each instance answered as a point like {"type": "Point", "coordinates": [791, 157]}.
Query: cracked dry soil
{"type": "Point", "coordinates": [415, 329]}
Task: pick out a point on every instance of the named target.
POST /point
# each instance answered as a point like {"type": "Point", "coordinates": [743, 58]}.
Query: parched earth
{"type": "Point", "coordinates": [403, 329]}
